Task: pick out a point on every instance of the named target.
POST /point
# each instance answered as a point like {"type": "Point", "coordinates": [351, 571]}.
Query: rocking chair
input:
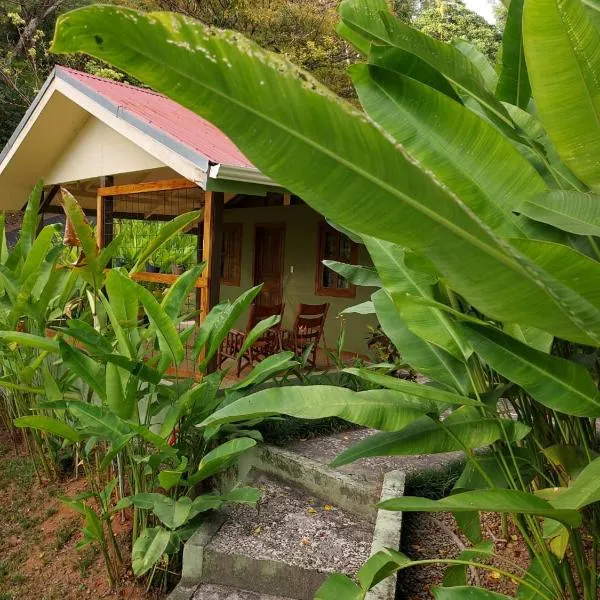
{"type": "Point", "coordinates": [269, 343]}
{"type": "Point", "coordinates": [308, 330]}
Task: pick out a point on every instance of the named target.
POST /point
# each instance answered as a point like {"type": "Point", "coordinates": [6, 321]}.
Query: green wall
{"type": "Point", "coordinates": [301, 247]}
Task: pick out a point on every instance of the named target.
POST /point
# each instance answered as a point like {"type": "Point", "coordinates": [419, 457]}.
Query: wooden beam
{"type": "Point", "coordinates": [104, 210]}
{"type": "Point", "coordinates": [47, 200]}
{"type": "Point", "coordinates": [166, 278]}
{"type": "Point", "coordinates": [211, 245]}
{"type": "Point", "coordinates": [140, 188]}
{"type": "Point", "coordinates": [211, 253]}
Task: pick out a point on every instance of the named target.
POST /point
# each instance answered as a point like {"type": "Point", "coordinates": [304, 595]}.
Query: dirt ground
{"type": "Point", "coordinates": [38, 535]}
{"type": "Point", "coordinates": [431, 536]}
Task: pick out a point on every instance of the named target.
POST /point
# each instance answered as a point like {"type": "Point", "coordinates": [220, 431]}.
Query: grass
{"type": "Point", "coordinates": [434, 483]}
{"type": "Point", "coordinates": [87, 559]}
{"type": "Point", "coordinates": [19, 471]}
{"type": "Point", "coordinates": [63, 535]}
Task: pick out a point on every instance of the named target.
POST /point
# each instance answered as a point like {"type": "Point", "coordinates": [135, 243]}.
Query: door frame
{"type": "Point", "coordinates": [270, 225]}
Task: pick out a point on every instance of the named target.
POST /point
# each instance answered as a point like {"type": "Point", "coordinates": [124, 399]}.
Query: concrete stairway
{"type": "Point", "coordinates": [311, 521]}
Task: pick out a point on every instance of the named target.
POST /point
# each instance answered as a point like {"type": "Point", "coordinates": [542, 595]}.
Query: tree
{"type": "Point", "coordinates": [449, 20]}
{"type": "Point", "coordinates": [26, 27]}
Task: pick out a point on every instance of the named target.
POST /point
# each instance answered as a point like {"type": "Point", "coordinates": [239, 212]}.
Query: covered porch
{"type": "Point", "coordinates": [135, 160]}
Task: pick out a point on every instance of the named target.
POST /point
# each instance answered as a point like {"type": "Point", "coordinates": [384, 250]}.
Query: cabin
{"type": "Point", "coordinates": [135, 159]}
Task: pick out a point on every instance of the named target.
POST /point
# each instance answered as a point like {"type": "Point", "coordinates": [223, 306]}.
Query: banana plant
{"type": "Point", "coordinates": [475, 195]}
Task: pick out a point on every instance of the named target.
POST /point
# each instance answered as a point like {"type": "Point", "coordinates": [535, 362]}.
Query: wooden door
{"type": "Point", "coordinates": [269, 246]}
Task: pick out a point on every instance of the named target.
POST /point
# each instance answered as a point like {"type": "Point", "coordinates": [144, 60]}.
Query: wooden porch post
{"type": "Point", "coordinates": [211, 253]}
{"type": "Point", "coordinates": [104, 212]}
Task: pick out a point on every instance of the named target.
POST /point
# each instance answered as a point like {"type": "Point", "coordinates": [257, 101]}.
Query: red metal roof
{"type": "Point", "coordinates": [168, 117]}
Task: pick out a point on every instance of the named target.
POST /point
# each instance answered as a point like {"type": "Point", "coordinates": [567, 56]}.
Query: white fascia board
{"type": "Point", "coordinates": [244, 174]}
{"type": "Point", "coordinates": [27, 123]}
{"type": "Point", "coordinates": [194, 171]}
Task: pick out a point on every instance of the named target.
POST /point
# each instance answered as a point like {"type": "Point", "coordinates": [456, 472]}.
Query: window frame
{"type": "Point", "coordinates": [235, 269]}
{"type": "Point", "coordinates": [320, 290]}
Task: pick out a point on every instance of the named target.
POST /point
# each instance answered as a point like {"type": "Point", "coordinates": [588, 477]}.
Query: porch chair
{"type": "Point", "coordinates": [269, 343]}
{"type": "Point", "coordinates": [308, 329]}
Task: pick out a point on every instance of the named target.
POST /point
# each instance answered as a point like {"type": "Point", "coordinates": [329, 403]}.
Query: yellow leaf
{"type": "Point", "coordinates": [257, 530]}
{"type": "Point", "coordinates": [311, 510]}
{"type": "Point", "coordinates": [328, 507]}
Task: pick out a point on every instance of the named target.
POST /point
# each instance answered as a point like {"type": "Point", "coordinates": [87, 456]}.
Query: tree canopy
{"type": "Point", "coordinates": [302, 30]}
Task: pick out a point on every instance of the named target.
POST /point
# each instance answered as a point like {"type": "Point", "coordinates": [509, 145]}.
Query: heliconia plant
{"type": "Point", "coordinates": [475, 191]}
{"type": "Point", "coordinates": [106, 385]}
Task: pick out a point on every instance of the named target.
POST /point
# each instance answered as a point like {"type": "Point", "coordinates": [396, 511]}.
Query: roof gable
{"type": "Point", "coordinates": [164, 115]}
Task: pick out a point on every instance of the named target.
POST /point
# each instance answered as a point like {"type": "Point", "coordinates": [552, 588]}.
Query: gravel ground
{"type": "Point", "coordinates": [324, 449]}
{"type": "Point", "coordinates": [295, 528]}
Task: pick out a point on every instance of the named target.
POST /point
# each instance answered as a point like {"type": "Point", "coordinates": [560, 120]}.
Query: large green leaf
{"type": "Point", "coordinates": [430, 324]}
{"type": "Point", "coordinates": [480, 60]}
{"type": "Point", "coordinates": [96, 421]}
{"type": "Point", "coordinates": [356, 274]}
{"type": "Point", "coordinates": [166, 331]}
{"type": "Point", "coordinates": [29, 340]}
{"type": "Point", "coordinates": [374, 21]}
{"type": "Point", "coordinates": [432, 395]}
{"type": "Point", "coordinates": [428, 359]}
{"type": "Point", "coordinates": [86, 368]}
{"type": "Point", "coordinates": [390, 197]}
{"type": "Point", "coordinates": [180, 290]}
{"type": "Point", "coordinates": [85, 234]}
{"type": "Point", "coordinates": [562, 47]}
{"type": "Point", "coordinates": [452, 145]}
{"type": "Point", "coordinates": [266, 368]}
{"type": "Point", "coordinates": [122, 404]}
{"type": "Point", "coordinates": [166, 232]}
{"type": "Point", "coordinates": [503, 501]}
{"type": "Point", "coordinates": [258, 331]}
{"type": "Point", "coordinates": [559, 384]}
{"type": "Point", "coordinates": [220, 458]}
{"type": "Point", "coordinates": [513, 83]}
{"type": "Point", "coordinates": [585, 490]}
{"type": "Point", "coordinates": [224, 319]}
{"type": "Point", "coordinates": [49, 425]}
{"type": "Point", "coordinates": [385, 410]}
{"type": "Point", "coordinates": [406, 63]}
{"type": "Point", "coordinates": [539, 583]}
{"type": "Point", "coordinates": [540, 340]}
{"type": "Point", "coordinates": [339, 586]}
{"type": "Point", "coordinates": [29, 226]}
{"type": "Point", "coordinates": [173, 513]}
{"type": "Point", "coordinates": [428, 436]}
{"type": "Point", "coordinates": [148, 549]}
{"type": "Point", "coordinates": [575, 212]}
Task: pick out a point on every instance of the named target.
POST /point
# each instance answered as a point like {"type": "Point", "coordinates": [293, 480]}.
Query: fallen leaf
{"type": "Point", "coordinates": [311, 510]}
{"type": "Point", "coordinates": [305, 541]}
{"type": "Point", "coordinates": [257, 530]}
{"type": "Point", "coordinates": [328, 507]}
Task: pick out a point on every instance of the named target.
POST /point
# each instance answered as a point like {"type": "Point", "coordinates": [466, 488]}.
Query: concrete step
{"type": "Point", "coordinates": [209, 591]}
{"type": "Point", "coordinates": [288, 545]}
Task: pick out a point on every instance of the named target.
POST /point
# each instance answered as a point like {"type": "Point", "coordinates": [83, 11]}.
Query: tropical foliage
{"type": "Point", "coordinates": [474, 192]}
{"type": "Point", "coordinates": [95, 368]}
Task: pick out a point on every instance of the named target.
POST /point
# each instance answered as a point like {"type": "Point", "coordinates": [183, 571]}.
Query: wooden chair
{"type": "Point", "coordinates": [308, 329]}
{"type": "Point", "coordinates": [269, 343]}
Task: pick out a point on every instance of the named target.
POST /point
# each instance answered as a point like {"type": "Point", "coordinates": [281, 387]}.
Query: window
{"type": "Point", "coordinates": [334, 245]}
{"type": "Point", "coordinates": [231, 257]}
